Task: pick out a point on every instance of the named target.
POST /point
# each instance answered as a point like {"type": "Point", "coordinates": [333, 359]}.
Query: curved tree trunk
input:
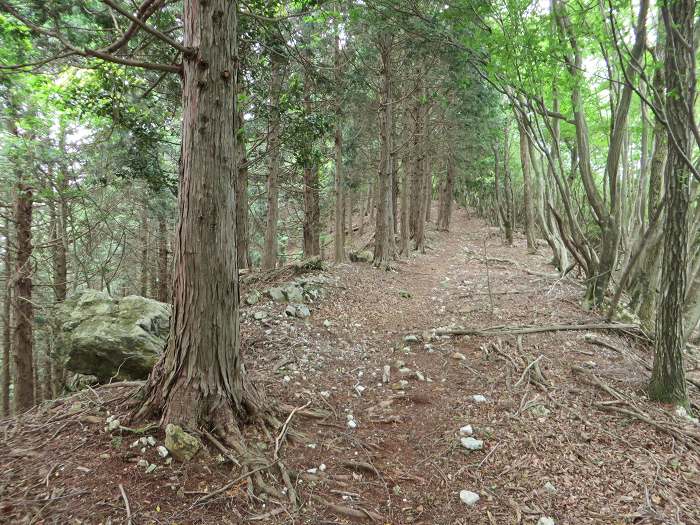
{"type": "Point", "coordinates": [200, 379]}
{"type": "Point", "coordinates": [7, 324]}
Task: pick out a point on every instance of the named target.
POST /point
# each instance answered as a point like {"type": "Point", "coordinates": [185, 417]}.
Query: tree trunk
{"type": "Point", "coordinates": [144, 251]}
{"type": "Point", "coordinates": [23, 348]}
{"type": "Point", "coordinates": [163, 277]}
{"type": "Point", "coordinates": [242, 250]}
{"type": "Point", "coordinates": [384, 248]}
{"type": "Point", "coordinates": [200, 378]}
{"type": "Point", "coordinates": [446, 193]}
{"type": "Point", "coordinates": [339, 184]}
{"type": "Point", "coordinates": [7, 324]}
{"type": "Point", "coordinates": [668, 376]}
{"type": "Point", "coordinates": [525, 162]}
{"type": "Point", "coordinates": [269, 259]}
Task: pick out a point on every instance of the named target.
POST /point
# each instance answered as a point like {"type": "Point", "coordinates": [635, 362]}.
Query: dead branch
{"type": "Point", "coordinates": [515, 330]}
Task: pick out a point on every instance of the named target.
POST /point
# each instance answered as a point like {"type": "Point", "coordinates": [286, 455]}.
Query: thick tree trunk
{"type": "Point", "coordinates": [200, 379]}
{"type": "Point", "coordinates": [7, 323]}
{"type": "Point", "coordinates": [312, 211]}
{"type": "Point", "coordinates": [23, 312]}
{"type": "Point", "coordinates": [269, 259]}
{"type": "Point", "coordinates": [446, 193]}
{"type": "Point", "coordinates": [668, 375]}
{"type": "Point", "coordinates": [384, 244]}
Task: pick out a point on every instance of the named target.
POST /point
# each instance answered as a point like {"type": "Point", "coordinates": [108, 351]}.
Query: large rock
{"type": "Point", "coordinates": [109, 337]}
{"type": "Point", "coordinates": [182, 446]}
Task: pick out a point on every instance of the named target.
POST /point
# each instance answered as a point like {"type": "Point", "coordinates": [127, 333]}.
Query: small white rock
{"type": "Point", "coordinates": [352, 423]}
{"type": "Point", "coordinates": [472, 444]}
{"type": "Point", "coordinates": [325, 393]}
{"type": "Point", "coordinates": [545, 520]}
{"type": "Point", "coordinates": [151, 441]}
{"type": "Point", "coordinates": [466, 430]}
{"type": "Point", "coordinates": [386, 374]}
{"type": "Point", "coordinates": [468, 497]}
{"type": "Point", "coordinates": [459, 356]}
{"type": "Point", "coordinates": [286, 379]}
{"type": "Point", "coordinates": [359, 389]}
{"type": "Point", "coordinates": [550, 488]}
{"type": "Point", "coordinates": [312, 470]}
{"type": "Point", "coordinates": [142, 463]}
{"type": "Point", "coordinates": [162, 451]}
{"type": "Point", "coordinates": [478, 398]}
{"type": "Point", "coordinates": [151, 468]}
{"type": "Point", "coordinates": [322, 467]}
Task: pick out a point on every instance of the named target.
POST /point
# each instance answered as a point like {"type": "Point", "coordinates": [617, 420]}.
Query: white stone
{"type": "Point", "coordinates": [142, 463]}
{"type": "Point", "coordinates": [472, 444]}
{"type": "Point", "coordinates": [113, 425]}
{"type": "Point", "coordinates": [151, 468]}
{"type": "Point", "coordinates": [162, 451]}
{"type": "Point", "coordinates": [352, 423]}
{"type": "Point", "coordinates": [468, 497]}
{"type": "Point", "coordinates": [359, 389]}
{"type": "Point", "coordinates": [458, 356]}
{"type": "Point", "coordinates": [478, 398]}
{"type": "Point", "coordinates": [286, 379]}
{"type": "Point", "coordinates": [386, 374]}
{"type": "Point", "coordinates": [322, 467]}
{"type": "Point", "coordinates": [550, 488]}
{"type": "Point", "coordinates": [411, 339]}
{"type": "Point", "coordinates": [325, 393]}
{"type": "Point", "coordinates": [312, 470]}
{"type": "Point", "coordinates": [151, 441]}
{"type": "Point", "coordinates": [466, 430]}
{"type": "Point", "coordinates": [545, 520]}
{"type": "Point", "coordinates": [420, 376]}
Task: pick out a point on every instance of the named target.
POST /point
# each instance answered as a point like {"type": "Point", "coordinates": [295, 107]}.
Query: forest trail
{"type": "Point", "coordinates": [552, 446]}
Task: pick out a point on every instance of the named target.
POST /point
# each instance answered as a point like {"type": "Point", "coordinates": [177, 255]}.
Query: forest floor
{"type": "Point", "coordinates": [567, 431]}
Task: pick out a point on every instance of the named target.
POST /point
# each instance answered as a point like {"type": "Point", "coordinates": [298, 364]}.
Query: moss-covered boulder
{"type": "Point", "coordinates": [112, 338]}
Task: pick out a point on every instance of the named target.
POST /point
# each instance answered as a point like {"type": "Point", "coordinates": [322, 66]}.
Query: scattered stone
{"type": "Point", "coordinates": [294, 293]}
{"type": "Point", "coordinates": [112, 425]}
{"type": "Point", "coordinates": [399, 385]}
{"type": "Point", "coordinates": [359, 389]}
{"type": "Point", "coordinates": [151, 441]}
{"type": "Point", "coordinates": [399, 364]}
{"type": "Point", "coordinates": [290, 311]}
{"type": "Point", "coordinates": [472, 444]}
{"type": "Point", "coordinates": [545, 520]}
{"type": "Point", "coordinates": [539, 411]}
{"type": "Point", "coordinates": [386, 374]}
{"type": "Point", "coordinates": [405, 294]}
{"type": "Point", "coordinates": [260, 315]}
{"type": "Point", "coordinates": [352, 423]}
{"type": "Point", "coordinates": [327, 323]}
{"type": "Point", "coordinates": [550, 488]}
{"type": "Point", "coordinates": [468, 497]}
{"type": "Point", "coordinates": [162, 451]}
{"type": "Point", "coordinates": [180, 444]}
{"type": "Point", "coordinates": [253, 297]}
{"type": "Point", "coordinates": [302, 311]}
{"type": "Point", "coordinates": [142, 463]}
{"type": "Point", "coordinates": [405, 371]}
{"type": "Point", "coordinates": [466, 430]}
{"type": "Point", "coordinates": [478, 398]}
{"type": "Point", "coordinates": [410, 339]}
{"type": "Point", "coordinates": [312, 470]}
{"type": "Point", "coordinates": [419, 376]}
{"type": "Point", "coordinates": [276, 294]}
{"type": "Point", "coordinates": [325, 393]}
{"type": "Point", "coordinates": [151, 468]}
{"type": "Point", "coordinates": [459, 356]}
{"type": "Point", "coordinates": [322, 467]}
{"type": "Point", "coordinates": [683, 413]}
{"type": "Point", "coordinates": [105, 456]}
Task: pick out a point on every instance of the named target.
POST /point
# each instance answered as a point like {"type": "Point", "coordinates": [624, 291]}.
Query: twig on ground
{"type": "Point", "coordinates": [515, 330]}
{"type": "Point", "coordinates": [126, 504]}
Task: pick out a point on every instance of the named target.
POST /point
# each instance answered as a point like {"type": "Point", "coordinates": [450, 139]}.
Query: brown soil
{"type": "Point", "coordinates": [607, 466]}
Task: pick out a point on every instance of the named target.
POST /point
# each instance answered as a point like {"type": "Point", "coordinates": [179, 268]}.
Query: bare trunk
{"type": "Point", "coordinates": [200, 379]}
{"type": "Point", "coordinates": [144, 251]}
{"type": "Point", "coordinates": [525, 162]}
{"type": "Point", "coordinates": [163, 277]}
{"type": "Point", "coordinates": [7, 323]}
{"type": "Point", "coordinates": [23, 313]}
{"type": "Point", "coordinates": [384, 248]}
{"type": "Point", "coordinates": [339, 183]}
{"type": "Point", "coordinates": [273, 152]}
{"type": "Point", "coordinates": [668, 375]}
{"type": "Point", "coordinates": [242, 251]}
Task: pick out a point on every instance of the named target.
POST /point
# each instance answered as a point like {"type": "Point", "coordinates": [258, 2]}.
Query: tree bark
{"type": "Point", "coordinates": [384, 244]}
{"type": "Point", "coordinates": [525, 162]}
{"type": "Point", "coordinates": [7, 323]}
{"type": "Point", "coordinates": [269, 259]}
{"type": "Point", "coordinates": [668, 376]}
{"type": "Point", "coordinates": [23, 311]}
{"type": "Point", "coordinates": [200, 378]}
{"type": "Point", "coordinates": [339, 183]}
{"type": "Point", "coordinates": [312, 211]}
{"type": "Point", "coordinates": [163, 277]}
{"type": "Point", "coordinates": [242, 249]}
{"type": "Point", "coordinates": [143, 288]}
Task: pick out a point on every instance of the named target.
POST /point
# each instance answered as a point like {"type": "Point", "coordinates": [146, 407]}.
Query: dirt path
{"type": "Point", "coordinates": [539, 457]}
{"type": "Point", "coordinates": [550, 448]}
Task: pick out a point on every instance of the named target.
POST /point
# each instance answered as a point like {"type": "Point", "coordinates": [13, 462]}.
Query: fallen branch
{"type": "Point", "coordinates": [126, 504]}
{"type": "Point", "coordinates": [515, 330]}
